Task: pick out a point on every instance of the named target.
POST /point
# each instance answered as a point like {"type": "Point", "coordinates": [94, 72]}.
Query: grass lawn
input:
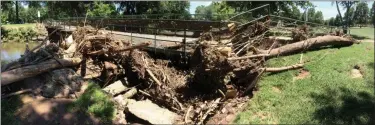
{"type": "Point", "coordinates": [10, 26]}
{"type": "Point", "coordinates": [366, 32]}
{"type": "Point", "coordinates": [327, 96]}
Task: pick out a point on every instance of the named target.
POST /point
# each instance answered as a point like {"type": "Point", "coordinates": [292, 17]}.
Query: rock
{"type": "Point", "coordinates": [61, 83]}
{"type": "Point", "coordinates": [151, 112]}
{"type": "Point", "coordinates": [356, 73]}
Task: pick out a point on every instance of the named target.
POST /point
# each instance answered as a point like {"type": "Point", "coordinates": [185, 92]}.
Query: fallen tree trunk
{"type": "Point", "coordinates": [309, 43]}
{"type": "Point", "coordinates": [21, 73]}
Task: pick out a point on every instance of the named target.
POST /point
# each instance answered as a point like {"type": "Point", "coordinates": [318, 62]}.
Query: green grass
{"type": "Point", "coordinates": [11, 26]}
{"type": "Point", "coordinates": [95, 102]}
{"type": "Point", "coordinates": [327, 96]}
{"type": "Point", "coordinates": [364, 32]}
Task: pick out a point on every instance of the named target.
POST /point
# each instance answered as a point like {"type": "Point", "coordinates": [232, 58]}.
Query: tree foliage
{"type": "Point", "coordinates": [372, 13]}
{"type": "Point", "coordinates": [214, 11]}
{"type": "Point", "coordinates": [284, 8]}
{"type": "Point", "coordinates": [347, 5]}
{"type": "Point", "coordinates": [101, 9]}
{"type": "Point", "coordinates": [362, 13]}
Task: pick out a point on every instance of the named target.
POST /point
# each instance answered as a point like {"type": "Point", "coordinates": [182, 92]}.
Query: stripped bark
{"type": "Point", "coordinates": [309, 43]}
{"type": "Point", "coordinates": [21, 73]}
{"type": "Point", "coordinates": [279, 69]}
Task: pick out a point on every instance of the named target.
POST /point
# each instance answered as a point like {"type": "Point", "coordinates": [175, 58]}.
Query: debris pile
{"type": "Point", "coordinates": [153, 89]}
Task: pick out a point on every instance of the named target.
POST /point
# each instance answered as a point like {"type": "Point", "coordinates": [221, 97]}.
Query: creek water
{"type": "Point", "coordinates": [13, 51]}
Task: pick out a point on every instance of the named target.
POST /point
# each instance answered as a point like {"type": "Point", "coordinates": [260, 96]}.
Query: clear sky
{"type": "Point", "coordinates": [326, 7]}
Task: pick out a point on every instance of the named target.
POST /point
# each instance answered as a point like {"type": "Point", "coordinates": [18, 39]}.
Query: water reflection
{"type": "Point", "coordinates": [13, 51]}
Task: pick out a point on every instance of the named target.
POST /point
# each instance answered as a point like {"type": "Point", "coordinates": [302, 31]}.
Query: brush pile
{"type": "Point", "coordinates": [219, 77]}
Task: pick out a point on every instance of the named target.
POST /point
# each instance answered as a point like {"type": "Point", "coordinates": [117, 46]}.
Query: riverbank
{"type": "Point", "coordinates": [22, 32]}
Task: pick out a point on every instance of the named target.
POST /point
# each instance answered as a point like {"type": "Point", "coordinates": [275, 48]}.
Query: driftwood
{"type": "Point", "coordinates": [153, 77]}
{"type": "Point", "coordinates": [279, 69]}
{"type": "Point", "coordinates": [41, 44]}
{"type": "Point", "coordinates": [99, 52]}
{"type": "Point", "coordinates": [16, 93]}
{"type": "Point", "coordinates": [309, 43]}
{"type": "Point", "coordinates": [21, 73]}
{"type": "Point", "coordinates": [212, 107]}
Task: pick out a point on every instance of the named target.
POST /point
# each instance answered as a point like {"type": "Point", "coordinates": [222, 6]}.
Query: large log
{"type": "Point", "coordinates": [310, 43]}
{"type": "Point", "coordinates": [21, 73]}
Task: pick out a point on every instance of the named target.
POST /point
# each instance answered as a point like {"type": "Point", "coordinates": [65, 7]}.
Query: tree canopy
{"type": "Point", "coordinates": [214, 11]}
{"type": "Point", "coordinates": [362, 13]}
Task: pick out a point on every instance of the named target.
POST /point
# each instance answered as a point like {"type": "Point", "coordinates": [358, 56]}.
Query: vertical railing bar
{"type": "Point", "coordinates": [155, 32]}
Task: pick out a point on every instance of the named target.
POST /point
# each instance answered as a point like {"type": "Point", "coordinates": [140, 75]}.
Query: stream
{"type": "Point", "coordinates": [13, 51]}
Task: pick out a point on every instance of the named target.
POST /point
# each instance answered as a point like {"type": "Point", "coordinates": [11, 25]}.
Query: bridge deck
{"type": "Point", "coordinates": [136, 38]}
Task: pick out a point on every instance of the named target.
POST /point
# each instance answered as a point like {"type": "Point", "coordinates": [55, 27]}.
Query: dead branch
{"type": "Point", "coordinates": [212, 107]}
{"type": "Point", "coordinates": [41, 44]}
{"type": "Point", "coordinates": [247, 57]}
{"type": "Point", "coordinates": [188, 114]}
{"type": "Point", "coordinates": [153, 77]}
{"type": "Point", "coordinates": [279, 69]}
{"type": "Point", "coordinates": [16, 93]}
{"type": "Point", "coordinates": [120, 50]}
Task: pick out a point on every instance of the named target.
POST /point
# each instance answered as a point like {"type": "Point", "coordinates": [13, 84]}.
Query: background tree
{"type": "Point", "coordinates": [318, 17]}
{"type": "Point", "coordinates": [284, 8]}
{"type": "Point", "coordinates": [175, 7]}
{"type": "Point", "coordinates": [372, 13]}
{"type": "Point", "coordinates": [331, 21]}
{"type": "Point", "coordinates": [349, 17]}
{"type": "Point", "coordinates": [102, 10]}
{"type": "Point", "coordinates": [362, 13]}
{"type": "Point", "coordinates": [338, 20]}
{"type": "Point", "coordinates": [347, 5]}
{"type": "Point", "coordinates": [203, 12]}
{"type": "Point", "coordinates": [215, 11]}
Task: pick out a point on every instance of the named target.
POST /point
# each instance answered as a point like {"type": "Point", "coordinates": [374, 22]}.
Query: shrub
{"type": "Point", "coordinates": [18, 34]}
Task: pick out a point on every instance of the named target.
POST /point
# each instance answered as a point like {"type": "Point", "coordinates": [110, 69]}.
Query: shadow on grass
{"type": "Point", "coordinates": [359, 37]}
{"type": "Point", "coordinates": [370, 65]}
{"type": "Point", "coordinates": [345, 106]}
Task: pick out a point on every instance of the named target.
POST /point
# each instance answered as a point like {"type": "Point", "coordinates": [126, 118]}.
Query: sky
{"type": "Point", "coordinates": [326, 7]}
